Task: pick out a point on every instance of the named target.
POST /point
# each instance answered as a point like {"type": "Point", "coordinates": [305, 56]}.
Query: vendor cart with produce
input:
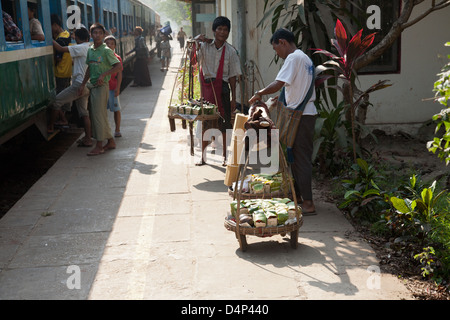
{"type": "Point", "coordinates": [186, 102]}
{"type": "Point", "coordinates": [263, 205]}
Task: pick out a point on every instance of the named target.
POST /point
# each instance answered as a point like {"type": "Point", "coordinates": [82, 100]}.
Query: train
{"type": "Point", "coordinates": [27, 81]}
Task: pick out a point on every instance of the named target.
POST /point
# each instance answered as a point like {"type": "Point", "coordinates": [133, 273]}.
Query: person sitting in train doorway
{"type": "Point", "coordinates": [63, 65]}
{"type": "Point", "coordinates": [102, 63]}
{"type": "Point", "coordinates": [166, 54]}
{"type": "Point", "coordinates": [220, 69]}
{"type": "Point", "coordinates": [35, 25]}
{"type": "Point", "coordinates": [141, 72]}
{"type": "Point", "coordinates": [114, 88]}
{"type": "Point", "coordinates": [78, 54]}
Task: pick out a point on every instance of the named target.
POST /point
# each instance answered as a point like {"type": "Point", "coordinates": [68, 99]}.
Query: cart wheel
{"type": "Point", "coordinates": [243, 242]}
{"type": "Point", "coordinates": [294, 239]}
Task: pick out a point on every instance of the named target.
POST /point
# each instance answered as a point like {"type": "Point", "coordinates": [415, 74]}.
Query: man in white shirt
{"type": "Point", "coordinates": [78, 53]}
{"type": "Point", "coordinates": [296, 76]}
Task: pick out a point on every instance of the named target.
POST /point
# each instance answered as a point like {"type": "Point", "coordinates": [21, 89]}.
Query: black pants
{"type": "Point", "coordinates": [226, 103]}
{"type": "Point", "coordinates": [303, 149]}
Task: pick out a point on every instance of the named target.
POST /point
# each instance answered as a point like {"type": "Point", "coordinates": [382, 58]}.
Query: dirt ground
{"type": "Point", "coordinates": [403, 152]}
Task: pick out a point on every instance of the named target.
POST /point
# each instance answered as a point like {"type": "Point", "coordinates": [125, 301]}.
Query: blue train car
{"type": "Point", "coordinates": [27, 82]}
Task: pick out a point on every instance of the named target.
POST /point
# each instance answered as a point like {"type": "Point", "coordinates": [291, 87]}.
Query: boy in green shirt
{"type": "Point", "coordinates": [102, 63]}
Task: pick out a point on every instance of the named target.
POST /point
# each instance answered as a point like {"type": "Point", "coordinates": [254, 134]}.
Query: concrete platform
{"type": "Point", "coordinates": [143, 222]}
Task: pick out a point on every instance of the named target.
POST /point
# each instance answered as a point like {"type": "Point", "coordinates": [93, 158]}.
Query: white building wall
{"type": "Point", "coordinates": [423, 54]}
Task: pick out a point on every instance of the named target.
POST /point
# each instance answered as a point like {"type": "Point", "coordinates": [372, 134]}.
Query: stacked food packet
{"type": "Point", "coordinates": [266, 213]}
{"type": "Point", "coordinates": [263, 183]}
{"type": "Point", "coordinates": [193, 107]}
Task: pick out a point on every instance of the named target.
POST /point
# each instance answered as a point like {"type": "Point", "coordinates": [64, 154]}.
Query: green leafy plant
{"type": "Point", "coordinates": [427, 260]}
{"type": "Point", "coordinates": [363, 197]}
{"type": "Point", "coordinates": [416, 216]}
{"type": "Point", "coordinates": [342, 66]}
{"type": "Point", "coordinates": [441, 145]}
{"type": "Point", "coordinates": [331, 138]}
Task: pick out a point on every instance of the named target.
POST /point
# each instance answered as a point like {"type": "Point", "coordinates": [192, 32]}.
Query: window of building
{"type": "Point", "coordinates": [380, 20]}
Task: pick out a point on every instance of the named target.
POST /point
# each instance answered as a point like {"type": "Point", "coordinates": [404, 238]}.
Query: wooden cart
{"type": "Point", "coordinates": [241, 232]}
{"type": "Point", "coordinates": [186, 72]}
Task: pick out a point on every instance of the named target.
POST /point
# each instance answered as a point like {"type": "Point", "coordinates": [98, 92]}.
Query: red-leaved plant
{"type": "Point", "coordinates": [343, 66]}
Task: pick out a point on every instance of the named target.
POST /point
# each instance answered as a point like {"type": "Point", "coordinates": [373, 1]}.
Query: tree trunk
{"type": "Point", "coordinates": [361, 115]}
{"type": "Point", "coordinates": [350, 113]}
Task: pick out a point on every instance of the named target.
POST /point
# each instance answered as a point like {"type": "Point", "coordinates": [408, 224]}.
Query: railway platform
{"type": "Point", "coordinates": [142, 222]}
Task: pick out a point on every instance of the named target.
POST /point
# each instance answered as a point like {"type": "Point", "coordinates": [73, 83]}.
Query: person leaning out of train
{"type": "Point", "coordinates": [78, 54]}
{"type": "Point", "coordinates": [63, 64]}
{"type": "Point", "coordinates": [12, 31]}
{"type": "Point", "coordinates": [102, 63]}
{"type": "Point", "coordinates": [35, 25]}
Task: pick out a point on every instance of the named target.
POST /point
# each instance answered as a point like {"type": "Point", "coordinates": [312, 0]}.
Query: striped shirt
{"type": "Point", "coordinates": [209, 57]}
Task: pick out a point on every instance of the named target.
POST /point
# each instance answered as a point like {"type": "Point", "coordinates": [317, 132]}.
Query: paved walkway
{"type": "Point", "coordinates": [143, 222]}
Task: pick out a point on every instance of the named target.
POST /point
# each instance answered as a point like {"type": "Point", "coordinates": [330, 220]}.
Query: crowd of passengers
{"type": "Point", "coordinates": [81, 79]}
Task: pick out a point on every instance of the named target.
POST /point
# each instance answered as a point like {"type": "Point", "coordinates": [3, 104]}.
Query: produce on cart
{"type": "Point", "coordinates": [264, 217]}
{"type": "Point", "coordinates": [186, 103]}
{"type": "Point", "coordinates": [265, 212]}
{"type": "Point", "coordinates": [264, 186]}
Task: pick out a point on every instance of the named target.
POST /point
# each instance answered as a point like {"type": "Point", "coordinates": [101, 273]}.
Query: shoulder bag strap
{"type": "Point", "coordinates": [302, 105]}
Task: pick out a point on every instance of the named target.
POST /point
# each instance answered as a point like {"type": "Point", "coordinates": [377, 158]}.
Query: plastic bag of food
{"type": "Point", "coordinates": [259, 219]}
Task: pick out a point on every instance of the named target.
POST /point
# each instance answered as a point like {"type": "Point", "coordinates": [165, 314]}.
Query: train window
{"type": "Point", "coordinates": [105, 19]}
{"type": "Point", "coordinates": [82, 11]}
{"type": "Point", "coordinates": [12, 24]}
{"type": "Point", "coordinates": [115, 21]}
{"type": "Point", "coordinates": [35, 22]}
{"type": "Point", "coordinates": [90, 16]}
{"type": "Point", "coordinates": [126, 25]}
{"type": "Point", "coordinates": [69, 17]}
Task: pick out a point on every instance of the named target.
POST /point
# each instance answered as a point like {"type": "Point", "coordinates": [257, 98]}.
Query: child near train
{"type": "Point", "coordinates": [114, 88]}
{"type": "Point", "coordinates": [102, 63]}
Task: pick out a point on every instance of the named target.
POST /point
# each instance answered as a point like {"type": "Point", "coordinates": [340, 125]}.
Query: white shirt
{"type": "Point", "coordinates": [297, 73]}
{"type": "Point", "coordinates": [36, 27]}
{"type": "Point", "coordinates": [210, 59]}
{"type": "Point", "coordinates": [78, 53]}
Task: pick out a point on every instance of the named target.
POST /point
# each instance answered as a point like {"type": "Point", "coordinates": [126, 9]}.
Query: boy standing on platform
{"type": "Point", "coordinates": [102, 63]}
{"type": "Point", "coordinates": [114, 88]}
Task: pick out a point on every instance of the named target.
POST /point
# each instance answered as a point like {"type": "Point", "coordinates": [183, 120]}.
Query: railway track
{"type": "Point", "coordinates": [26, 158]}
